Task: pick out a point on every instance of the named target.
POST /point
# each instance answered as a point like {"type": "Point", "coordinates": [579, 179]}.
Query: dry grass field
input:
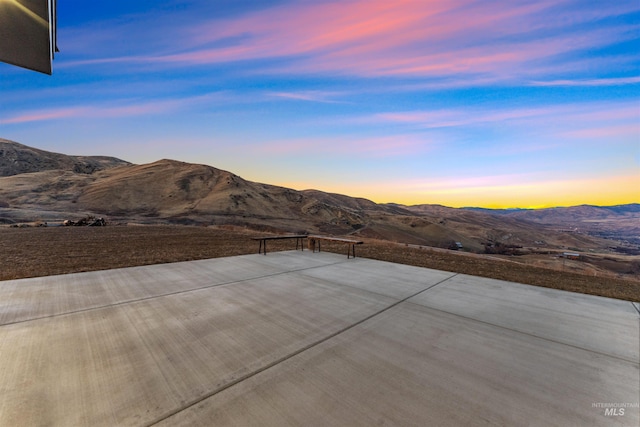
{"type": "Point", "coordinates": [43, 251]}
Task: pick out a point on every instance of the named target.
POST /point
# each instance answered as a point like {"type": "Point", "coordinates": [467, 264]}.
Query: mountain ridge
{"type": "Point", "coordinates": [619, 208]}
{"type": "Point", "coordinates": [16, 159]}
{"type": "Point", "coordinates": [175, 192]}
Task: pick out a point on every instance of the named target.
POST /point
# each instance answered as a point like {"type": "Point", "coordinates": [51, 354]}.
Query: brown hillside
{"type": "Point", "coordinates": [485, 227]}
{"type": "Point", "coordinates": [163, 188]}
{"type": "Point", "coordinates": [51, 189]}
{"type": "Point", "coordinates": [173, 192]}
{"type": "Point", "coordinates": [178, 192]}
{"type": "Point", "coordinates": [620, 223]}
{"type": "Point", "coordinates": [17, 159]}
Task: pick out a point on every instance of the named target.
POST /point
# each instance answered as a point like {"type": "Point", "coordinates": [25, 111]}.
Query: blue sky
{"type": "Point", "coordinates": [462, 103]}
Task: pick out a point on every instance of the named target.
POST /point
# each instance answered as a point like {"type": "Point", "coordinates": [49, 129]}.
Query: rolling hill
{"type": "Point", "coordinates": [17, 159]}
{"type": "Point", "coordinates": [36, 185]}
{"type": "Point", "coordinates": [621, 222]}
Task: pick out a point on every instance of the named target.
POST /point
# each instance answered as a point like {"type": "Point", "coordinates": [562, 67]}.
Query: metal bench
{"type": "Point", "coordinates": [263, 241]}
{"type": "Point", "coordinates": [351, 249]}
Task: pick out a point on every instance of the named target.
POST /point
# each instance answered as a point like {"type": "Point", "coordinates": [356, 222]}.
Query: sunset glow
{"type": "Point", "coordinates": [460, 103]}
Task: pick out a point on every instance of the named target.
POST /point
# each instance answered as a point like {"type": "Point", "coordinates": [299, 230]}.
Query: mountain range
{"type": "Point", "coordinates": [37, 185]}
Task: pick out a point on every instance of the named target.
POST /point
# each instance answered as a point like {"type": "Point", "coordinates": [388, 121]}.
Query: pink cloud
{"type": "Point", "coordinates": [310, 95]}
{"type": "Point", "coordinates": [590, 82]}
{"type": "Point", "coordinates": [574, 114]}
{"type": "Point", "coordinates": [489, 41]}
{"type": "Point", "coordinates": [469, 183]}
{"type": "Point", "coordinates": [88, 111]}
{"type": "Point", "coordinates": [409, 37]}
{"type": "Point", "coordinates": [601, 132]}
{"type": "Point", "coordinates": [40, 115]}
{"type": "Point", "coordinates": [383, 146]}
{"type": "Point", "coordinates": [463, 117]}
{"type": "Point", "coordinates": [112, 111]}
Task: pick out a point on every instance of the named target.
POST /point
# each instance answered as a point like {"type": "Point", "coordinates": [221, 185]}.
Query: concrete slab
{"type": "Point", "coordinates": [414, 366]}
{"type": "Point", "coordinates": [27, 299]}
{"type": "Point", "coordinates": [134, 363]}
{"type": "Point", "coordinates": [385, 278]}
{"type": "Point", "coordinates": [594, 323]}
{"type": "Point", "coordinates": [297, 338]}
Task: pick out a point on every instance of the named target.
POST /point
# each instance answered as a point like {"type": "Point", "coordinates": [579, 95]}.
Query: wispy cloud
{"type": "Point", "coordinates": [462, 183]}
{"type": "Point", "coordinates": [488, 40]}
{"type": "Point", "coordinates": [590, 82]}
{"type": "Point", "coordinates": [41, 115]}
{"type": "Point", "coordinates": [356, 146]}
{"type": "Point", "coordinates": [114, 110]}
{"type": "Point", "coordinates": [609, 133]}
{"type": "Point", "coordinates": [574, 113]}
{"type": "Point", "coordinates": [458, 117]}
{"type": "Point", "coordinates": [310, 96]}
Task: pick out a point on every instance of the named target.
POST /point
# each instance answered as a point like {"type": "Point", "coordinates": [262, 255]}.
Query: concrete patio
{"type": "Point", "coordinates": [311, 339]}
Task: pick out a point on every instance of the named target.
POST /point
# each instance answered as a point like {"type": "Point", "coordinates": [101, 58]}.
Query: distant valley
{"type": "Point", "coordinates": [39, 186]}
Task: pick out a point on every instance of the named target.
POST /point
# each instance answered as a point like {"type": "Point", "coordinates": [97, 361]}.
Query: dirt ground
{"type": "Point", "coordinates": [44, 251]}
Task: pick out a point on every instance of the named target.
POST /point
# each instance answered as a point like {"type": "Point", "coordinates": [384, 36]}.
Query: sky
{"type": "Point", "coordinates": [492, 103]}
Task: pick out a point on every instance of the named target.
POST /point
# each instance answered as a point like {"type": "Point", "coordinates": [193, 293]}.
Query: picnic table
{"type": "Point", "coordinates": [263, 241]}
{"type": "Point", "coordinates": [351, 244]}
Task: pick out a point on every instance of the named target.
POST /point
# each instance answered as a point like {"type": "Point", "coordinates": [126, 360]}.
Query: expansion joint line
{"type": "Point", "coordinates": [289, 356]}
{"type": "Point", "coordinates": [540, 337]}
{"type": "Point", "coordinates": [167, 294]}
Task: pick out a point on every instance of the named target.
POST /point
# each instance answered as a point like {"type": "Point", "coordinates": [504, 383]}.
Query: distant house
{"type": "Point", "coordinates": [570, 255]}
